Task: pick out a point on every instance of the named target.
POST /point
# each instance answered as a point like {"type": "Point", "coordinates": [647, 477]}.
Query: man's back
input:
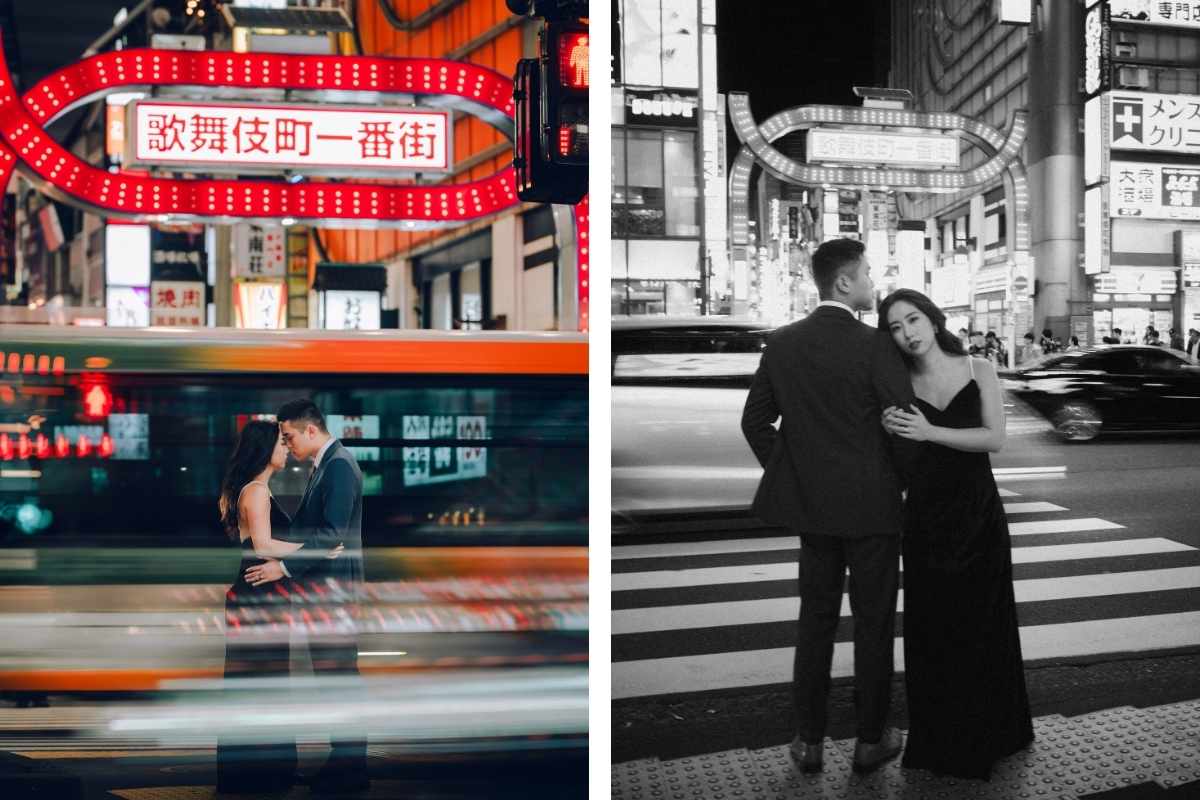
{"type": "Point", "coordinates": [830, 467]}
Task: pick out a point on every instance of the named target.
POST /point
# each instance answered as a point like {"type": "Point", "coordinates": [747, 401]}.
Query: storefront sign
{"type": "Point", "coordinates": [991, 280]}
{"type": "Point", "coordinates": [127, 306]}
{"type": "Point", "coordinates": [826, 145]}
{"type": "Point", "coordinates": [1138, 281]}
{"type": "Point", "coordinates": [1154, 191]}
{"type": "Point", "coordinates": [347, 310]}
{"type": "Point", "coordinates": [951, 285]}
{"type": "Point", "coordinates": [661, 109]}
{"type": "Point", "coordinates": [260, 306]}
{"type": "Point", "coordinates": [877, 211]}
{"type": "Point", "coordinates": [279, 138]}
{"type": "Point", "coordinates": [127, 255]}
{"type": "Point", "coordinates": [178, 304]}
{"type": "Point", "coordinates": [1191, 274]}
{"type": "Point", "coordinates": [178, 255]}
{"type": "Point", "coordinates": [1183, 15]}
{"type": "Point", "coordinates": [1162, 122]}
{"type": "Point", "coordinates": [1096, 69]}
{"type": "Point", "coordinates": [258, 251]}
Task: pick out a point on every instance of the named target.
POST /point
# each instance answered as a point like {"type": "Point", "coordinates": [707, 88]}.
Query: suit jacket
{"type": "Point", "coordinates": [329, 514]}
{"type": "Point", "coordinates": [831, 468]}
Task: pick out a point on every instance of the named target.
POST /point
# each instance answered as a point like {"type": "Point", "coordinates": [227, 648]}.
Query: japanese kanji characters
{"type": "Point", "coordinates": [165, 132]}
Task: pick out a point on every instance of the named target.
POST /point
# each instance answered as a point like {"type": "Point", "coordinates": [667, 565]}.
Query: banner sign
{"type": "Point", "coordinates": [1154, 191]}
{"type": "Point", "coordinates": [825, 145]}
{"type": "Point", "coordinates": [278, 138]}
{"type": "Point", "coordinates": [1162, 122]}
{"type": "Point", "coordinates": [1096, 71]}
{"type": "Point", "coordinates": [1176, 14]}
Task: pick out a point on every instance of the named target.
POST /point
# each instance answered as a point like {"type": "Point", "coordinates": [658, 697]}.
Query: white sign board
{"type": "Point", "coordinates": [127, 255]}
{"type": "Point", "coordinates": [434, 464]}
{"type": "Point", "coordinates": [881, 148]}
{"type": "Point", "coordinates": [1154, 191]}
{"type": "Point", "coordinates": [127, 306]}
{"type": "Point", "coordinates": [289, 137]}
{"type": "Point", "coordinates": [951, 285]}
{"type": "Point", "coordinates": [1132, 280]}
{"type": "Point", "coordinates": [178, 304]}
{"type": "Point", "coordinates": [1154, 12]}
{"type": "Point", "coordinates": [352, 427]}
{"type": "Point", "coordinates": [260, 306]}
{"type": "Point", "coordinates": [130, 436]}
{"type": "Point", "coordinates": [1161, 122]}
{"type": "Point", "coordinates": [258, 251]}
{"type": "Point", "coordinates": [347, 310]}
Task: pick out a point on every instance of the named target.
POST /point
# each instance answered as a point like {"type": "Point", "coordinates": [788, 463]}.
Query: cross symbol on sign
{"type": "Point", "coordinates": [1128, 119]}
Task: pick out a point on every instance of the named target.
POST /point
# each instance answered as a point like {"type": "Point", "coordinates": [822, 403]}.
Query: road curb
{"type": "Point", "coordinates": [23, 778]}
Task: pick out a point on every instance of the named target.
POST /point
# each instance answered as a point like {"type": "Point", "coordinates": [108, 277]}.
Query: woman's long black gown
{"type": "Point", "coordinates": [967, 703]}
{"type": "Point", "coordinates": [256, 646]}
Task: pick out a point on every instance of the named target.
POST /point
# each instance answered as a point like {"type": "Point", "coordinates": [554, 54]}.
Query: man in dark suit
{"type": "Point", "coordinates": [329, 514]}
{"type": "Point", "coordinates": [831, 475]}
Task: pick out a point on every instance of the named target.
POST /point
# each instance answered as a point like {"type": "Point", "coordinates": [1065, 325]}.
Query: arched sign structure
{"type": "Point", "coordinates": [756, 146]}
{"type": "Point", "coordinates": [366, 80]}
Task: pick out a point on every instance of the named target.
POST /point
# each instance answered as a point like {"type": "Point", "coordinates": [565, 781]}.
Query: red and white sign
{"type": "Point", "coordinates": [258, 251]}
{"type": "Point", "coordinates": [289, 137]}
{"type": "Point", "coordinates": [260, 306]}
{"type": "Point", "coordinates": [178, 304]}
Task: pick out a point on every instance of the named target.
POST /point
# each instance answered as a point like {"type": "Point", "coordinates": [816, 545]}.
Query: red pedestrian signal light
{"type": "Point", "coordinates": [573, 60]}
{"type": "Point", "coordinates": [97, 401]}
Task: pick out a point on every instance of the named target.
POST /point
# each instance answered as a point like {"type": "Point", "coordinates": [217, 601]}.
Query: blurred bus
{"type": "Point", "coordinates": [113, 445]}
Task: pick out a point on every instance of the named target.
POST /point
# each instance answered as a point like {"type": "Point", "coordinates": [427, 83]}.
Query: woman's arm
{"type": "Point", "coordinates": [986, 439]}
{"type": "Point", "coordinates": [255, 506]}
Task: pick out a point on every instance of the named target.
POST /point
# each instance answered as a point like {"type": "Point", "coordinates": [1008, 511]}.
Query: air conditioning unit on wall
{"type": "Point", "coordinates": [1133, 78]}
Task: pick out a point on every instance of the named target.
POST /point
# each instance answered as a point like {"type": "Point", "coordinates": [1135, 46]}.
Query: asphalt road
{"type": "Point", "coordinates": [1107, 570]}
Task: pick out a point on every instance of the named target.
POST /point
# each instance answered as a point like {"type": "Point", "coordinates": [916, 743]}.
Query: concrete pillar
{"type": "Point", "coordinates": [1055, 162]}
{"type": "Point", "coordinates": [223, 280]}
{"type": "Point", "coordinates": [568, 272]}
{"type": "Point", "coordinates": [506, 266]}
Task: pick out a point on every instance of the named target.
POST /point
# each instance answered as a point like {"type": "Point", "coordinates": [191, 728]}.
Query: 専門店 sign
{"type": "Point", "coordinates": [881, 148]}
{"type": "Point", "coordinates": [1185, 15]}
{"type": "Point", "coordinates": [1163, 122]}
{"type": "Point", "coordinates": [297, 138]}
{"type": "Point", "coordinates": [1154, 191]}
{"type": "Point", "coordinates": [661, 108]}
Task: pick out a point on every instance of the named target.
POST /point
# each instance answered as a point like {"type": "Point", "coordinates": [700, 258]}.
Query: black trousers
{"type": "Point", "coordinates": [336, 656]}
{"type": "Point", "coordinates": [874, 564]}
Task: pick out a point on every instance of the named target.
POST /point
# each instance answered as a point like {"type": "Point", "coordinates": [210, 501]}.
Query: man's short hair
{"type": "Point", "coordinates": [1029, 336]}
{"type": "Point", "coordinates": [302, 412]}
{"type": "Point", "coordinates": [1116, 330]}
{"type": "Point", "coordinates": [829, 261]}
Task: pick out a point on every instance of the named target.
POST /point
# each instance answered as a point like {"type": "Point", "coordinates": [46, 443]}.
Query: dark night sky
{"type": "Point", "coordinates": [800, 52]}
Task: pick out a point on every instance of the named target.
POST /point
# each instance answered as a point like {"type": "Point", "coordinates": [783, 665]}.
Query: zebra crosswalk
{"type": "Point", "coordinates": [718, 614]}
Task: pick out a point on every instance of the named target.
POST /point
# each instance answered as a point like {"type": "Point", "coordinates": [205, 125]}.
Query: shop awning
{"type": "Point", "coordinates": [350, 277]}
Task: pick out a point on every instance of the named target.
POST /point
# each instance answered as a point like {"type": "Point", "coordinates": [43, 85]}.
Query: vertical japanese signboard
{"type": "Point", "coordinates": [260, 306]}
{"type": "Point", "coordinates": [285, 138]}
{"type": "Point", "coordinates": [259, 252]}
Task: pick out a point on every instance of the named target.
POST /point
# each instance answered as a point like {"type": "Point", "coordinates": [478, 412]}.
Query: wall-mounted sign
{"type": "Point", "coordinates": [1154, 191]}
{"type": "Point", "coordinates": [127, 306]}
{"type": "Point", "coordinates": [1096, 72]}
{"type": "Point", "coordinates": [661, 108]}
{"type": "Point", "coordinates": [1187, 246]}
{"type": "Point", "coordinates": [127, 255]}
{"type": "Point", "coordinates": [1191, 274]}
{"type": "Point", "coordinates": [1184, 15]}
{"type": "Point", "coordinates": [278, 138]}
{"type": "Point", "coordinates": [1165, 122]}
{"type": "Point", "coordinates": [178, 254]}
{"type": "Point", "coordinates": [837, 146]}
{"type": "Point", "coordinates": [258, 251]}
{"type": "Point", "coordinates": [350, 310]}
{"type": "Point", "coordinates": [1014, 12]}
{"type": "Point", "coordinates": [950, 286]}
{"type": "Point", "coordinates": [1134, 280]}
{"type": "Point", "coordinates": [260, 306]}
{"type": "Point", "coordinates": [178, 304]}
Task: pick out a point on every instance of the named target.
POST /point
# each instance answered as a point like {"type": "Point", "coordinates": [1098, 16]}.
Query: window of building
{"type": "Point", "coordinates": [995, 225]}
{"type": "Point", "coordinates": [655, 184]}
{"type": "Point", "coordinates": [455, 284]}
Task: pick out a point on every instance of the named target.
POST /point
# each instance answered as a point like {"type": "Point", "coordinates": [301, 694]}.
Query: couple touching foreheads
{"type": "Point", "coordinates": [308, 568]}
{"type": "Point", "coordinates": [868, 414]}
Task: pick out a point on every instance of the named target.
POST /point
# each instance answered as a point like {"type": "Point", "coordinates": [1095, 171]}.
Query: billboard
{"type": "Point", "coordinates": [1154, 191]}
{"type": "Point", "coordinates": [1154, 122]}
{"type": "Point", "coordinates": [844, 146]}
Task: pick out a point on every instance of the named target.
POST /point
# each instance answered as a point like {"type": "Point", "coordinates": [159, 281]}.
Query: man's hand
{"type": "Point", "coordinates": [270, 571]}
{"type": "Point", "coordinates": [337, 551]}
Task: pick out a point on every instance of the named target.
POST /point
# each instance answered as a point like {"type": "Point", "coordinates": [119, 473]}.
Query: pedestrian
{"type": "Point", "coordinates": [1029, 351]}
{"type": "Point", "coordinates": [1149, 335]}
{"type": "Point", "coordinates": [1074, 346]}
{"type": "Point", "coordinates": [964, 337]}
{"type": "Point", "coordinates": [967, 702]}
{"type": "Point", "coordinates": [833, 475]}
{"type": "Point", "coordinates": [1154, 341]}
{"type": "Point", "coordinates": [1116, 335]}
{"type": "Point", "coordinates": [978, 346]}
{"type": "Point", "coordinates": [1176, 340]}
{"type": "Point", "coordinates": [995, 351]}
{"type": "Point", "coordinates": [1047, 341]}
{"type": "Point", "coordinates": [1193, 345]}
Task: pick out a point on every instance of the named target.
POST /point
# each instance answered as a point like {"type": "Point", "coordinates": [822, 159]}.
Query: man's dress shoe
{"type": "Point", "coordinates": [810, 757]}
{"type": "Point", "coordinates": [870, 757]}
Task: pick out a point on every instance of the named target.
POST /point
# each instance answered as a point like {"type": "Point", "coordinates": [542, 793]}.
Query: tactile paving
{"type": "Point", "coordinates": [1070, 757]}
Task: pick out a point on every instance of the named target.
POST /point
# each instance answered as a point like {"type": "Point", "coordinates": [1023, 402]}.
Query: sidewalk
{"type": "Point", "coordinates": [1118, 754]}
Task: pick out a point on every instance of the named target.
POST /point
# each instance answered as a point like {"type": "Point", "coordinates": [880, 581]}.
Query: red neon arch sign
{"type": "Point", "coordinates": [334, 204]}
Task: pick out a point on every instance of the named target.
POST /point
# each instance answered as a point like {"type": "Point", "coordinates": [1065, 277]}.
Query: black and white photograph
{"type": "Point", "coordinates": [905, 399]}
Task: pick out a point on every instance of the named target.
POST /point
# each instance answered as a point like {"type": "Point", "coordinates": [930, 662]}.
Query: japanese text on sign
{"type": "Point", "coordinates": [1154, 191]}
{"type": "Point", "coordinates": [289, 137]}
{"type": "Point", "coordinates": [1156, 13]}
{"type": "Point", "coordinates": [178, 304]}
{"type": "Point", "coordinates": [882, 148]}
{"type": "Point", "coordinates": [425, 465]}
{"type": "Point", "coordinates": [1155, 122]}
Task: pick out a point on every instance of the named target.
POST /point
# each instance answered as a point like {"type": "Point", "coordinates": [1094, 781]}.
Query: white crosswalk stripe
{"type": "Point", "coordinates": [723, 670]}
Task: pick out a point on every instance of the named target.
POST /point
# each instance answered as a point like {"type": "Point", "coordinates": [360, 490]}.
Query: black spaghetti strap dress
{"type": "Point", "coordinates": [256, 646]}
{"type": "Point", "coordinates": [967, 702]}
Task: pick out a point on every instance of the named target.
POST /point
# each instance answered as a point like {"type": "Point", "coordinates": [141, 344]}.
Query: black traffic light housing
{"type": "Point", "coordinates": [551, 94]}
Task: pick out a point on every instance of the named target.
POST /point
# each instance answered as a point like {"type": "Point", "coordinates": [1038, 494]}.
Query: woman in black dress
{"type": "Point", "coordinates": [256, 636]}
{"type": "Point", "coordinates": [967, 703]}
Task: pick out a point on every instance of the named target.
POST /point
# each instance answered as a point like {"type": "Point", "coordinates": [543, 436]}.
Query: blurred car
{"type": "Point", "coordinates": [1117, 388]}
{"type": "Point", "coordinates": [678, 388]}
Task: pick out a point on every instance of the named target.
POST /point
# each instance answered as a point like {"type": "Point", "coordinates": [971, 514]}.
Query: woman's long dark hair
{"type": "Point", "coordinates": [945, 339]}
{"type": "Point", "coordinates": [251, 454]}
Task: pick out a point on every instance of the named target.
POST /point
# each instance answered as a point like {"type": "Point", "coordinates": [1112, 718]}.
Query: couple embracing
{"type": "Point", "coordinates": [292, 569]}
{"type": "Point", "coordinates": [868, 415]}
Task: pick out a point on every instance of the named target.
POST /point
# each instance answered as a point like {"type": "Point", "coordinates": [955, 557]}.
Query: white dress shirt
{"type": "Point", "coordinates": [316, 463]}
{"type": "Point", "coordinates": [835, 304]}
